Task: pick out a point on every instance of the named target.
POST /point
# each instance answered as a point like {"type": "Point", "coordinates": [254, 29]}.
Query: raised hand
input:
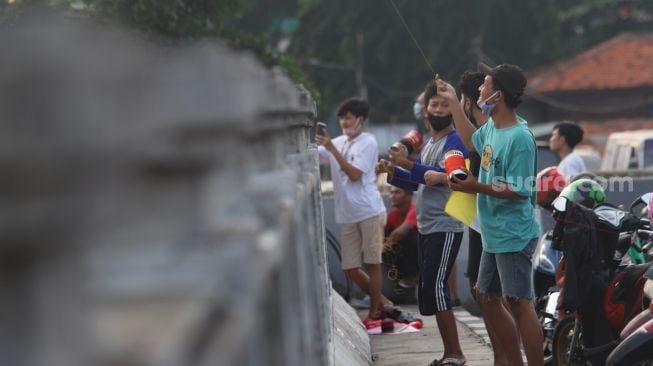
{"type": "Point", "coordinates": [445, 89]}
{"type": "Point", "coordinates": [324, 140]}
{"type": "Point", "coordinates": [398, 158]}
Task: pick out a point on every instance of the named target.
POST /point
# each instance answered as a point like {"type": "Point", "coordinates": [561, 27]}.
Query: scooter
{"type": "Point", "coordinates": [592, 332]}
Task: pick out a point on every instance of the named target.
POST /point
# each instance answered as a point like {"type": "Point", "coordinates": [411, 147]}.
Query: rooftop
{"type": "Point", "coordinates": [622, 62]}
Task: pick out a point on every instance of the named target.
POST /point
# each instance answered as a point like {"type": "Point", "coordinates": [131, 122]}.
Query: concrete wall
{"type": "Point", "coordinates": [160, 206]}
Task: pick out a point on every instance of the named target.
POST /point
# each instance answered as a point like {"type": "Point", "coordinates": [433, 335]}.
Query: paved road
{"type": "Point", "coordinates": [423, 347]}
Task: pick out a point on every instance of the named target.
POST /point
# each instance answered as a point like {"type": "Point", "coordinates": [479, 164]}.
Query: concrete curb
{"type": "Point", "coordinates": [350, 343]}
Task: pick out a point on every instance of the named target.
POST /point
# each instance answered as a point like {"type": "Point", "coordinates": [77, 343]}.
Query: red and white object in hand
{"type": "Point", "coordinates": [454, 164]}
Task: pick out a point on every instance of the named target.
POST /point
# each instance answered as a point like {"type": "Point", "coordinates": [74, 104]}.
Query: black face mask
{"type": "Point", "coordinates": [439, 123]}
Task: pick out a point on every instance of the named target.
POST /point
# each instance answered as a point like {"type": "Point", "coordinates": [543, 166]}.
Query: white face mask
{"type": "Point", "coordinates": [353, 130]}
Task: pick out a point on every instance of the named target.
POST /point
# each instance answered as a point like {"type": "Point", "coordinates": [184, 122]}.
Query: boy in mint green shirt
{"type": "Point", "coordinates": [508, 156]}
{"type": "Point", "coordinates": [505, 203]}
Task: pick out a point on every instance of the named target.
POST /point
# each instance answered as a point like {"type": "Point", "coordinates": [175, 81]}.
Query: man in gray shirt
{"type": "Point", "coordinates": [440, 235]}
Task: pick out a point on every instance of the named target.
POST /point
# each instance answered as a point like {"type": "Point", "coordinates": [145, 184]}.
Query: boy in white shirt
{"type": "Point", "coordinates": [359, 207]}
{"type": "Point", "coordinates": [565, 136]}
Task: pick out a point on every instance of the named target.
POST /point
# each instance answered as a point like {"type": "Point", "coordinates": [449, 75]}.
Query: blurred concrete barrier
{"type": "Point", "coordinates": [159, 205]}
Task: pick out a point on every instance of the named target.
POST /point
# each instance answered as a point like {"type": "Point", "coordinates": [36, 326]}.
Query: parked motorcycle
{"type": "Point", "coordinates": [546, 291]}
{"type": "Point", "coordinates": [549, 184]}
{"type": "Point", "coordinates": [641, 247]}
{"type": "Point", "coordinates": [636, 345]}
{"type": "Point", "coordinates": [591, 333]}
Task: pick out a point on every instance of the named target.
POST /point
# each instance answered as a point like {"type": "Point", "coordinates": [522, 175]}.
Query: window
{"type": "Point", "coordinates": [621, 159]}
{"type": "Point", "coordinates": [648, 153]}
{"type": "Point", "coordinates": [633, 162]}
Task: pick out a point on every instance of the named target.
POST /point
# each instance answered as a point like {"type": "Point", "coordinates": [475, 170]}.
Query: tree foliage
{"type": "Point", "coordinates": [174, 18]}
{"type": "Point", "coordinates": [169, 21]}
{"type": "Point", "coordinates": [454, 34]}
{"type": "Point", "coordinates": [342, 47]}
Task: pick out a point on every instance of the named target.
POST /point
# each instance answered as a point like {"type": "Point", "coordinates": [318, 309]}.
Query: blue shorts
{"type": "Point", "coordinates": [508, 274]}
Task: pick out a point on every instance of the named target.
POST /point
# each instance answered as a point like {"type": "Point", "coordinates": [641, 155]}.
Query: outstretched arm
{"type": "Point", "coordinates": [471, 185]}
{"type": "Point", "coordinates": [464, 126]}
{"type": "Point", "coordinates": [397, 176]}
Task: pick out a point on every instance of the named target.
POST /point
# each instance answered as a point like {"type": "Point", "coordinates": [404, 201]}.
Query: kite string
{"type": "Point", "coordinates": [412, 37]}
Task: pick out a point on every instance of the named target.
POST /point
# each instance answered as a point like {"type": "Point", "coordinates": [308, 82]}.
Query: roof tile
{"type": "Point", "coordinates": [621, 62]}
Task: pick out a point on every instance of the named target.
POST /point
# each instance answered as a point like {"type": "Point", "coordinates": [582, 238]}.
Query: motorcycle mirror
{"type": "Point", "coordinates": [643, 199]}
{"type": "Point", "coordinates": [560, 204]}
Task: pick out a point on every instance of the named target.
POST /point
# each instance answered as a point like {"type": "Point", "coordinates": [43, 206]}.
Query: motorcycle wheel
{"type": "Point", "coordinates": [562, 337]}
{"type": "Point", "coordinates": [547, 347]}
{"type": "Point", "coordinates": [548, 324]}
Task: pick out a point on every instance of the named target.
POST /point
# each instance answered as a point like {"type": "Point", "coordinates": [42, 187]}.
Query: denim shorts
{"type": "Point", "coordinates": [508, 274]}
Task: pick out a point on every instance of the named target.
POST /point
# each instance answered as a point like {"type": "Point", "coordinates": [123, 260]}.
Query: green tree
{"type": "Point", "coordinates": [169, 21]}
{"type": "Point", "coordinates": [455, 35]}
{"type": "Point", "coordinates": [345, 48]}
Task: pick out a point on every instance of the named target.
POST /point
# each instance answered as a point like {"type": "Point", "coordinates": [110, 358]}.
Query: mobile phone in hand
{"type": "Point", "coordinates": [321, 129]}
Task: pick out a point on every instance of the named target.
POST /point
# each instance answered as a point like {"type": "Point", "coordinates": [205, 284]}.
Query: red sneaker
{"type": "Point", "coordinates": [371, 323]}
{"type": "Point", "coordinates": [417, 323]}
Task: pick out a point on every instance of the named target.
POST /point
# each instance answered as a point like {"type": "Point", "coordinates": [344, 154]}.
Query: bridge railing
{"type": "Point", "coordinates": [160, 206]}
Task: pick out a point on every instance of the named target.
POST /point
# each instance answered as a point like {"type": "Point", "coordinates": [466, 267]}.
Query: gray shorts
{"type": "Point", "coordinates": [508, 274]}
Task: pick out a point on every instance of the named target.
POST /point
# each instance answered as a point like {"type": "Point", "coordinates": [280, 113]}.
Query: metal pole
{"type": "Point", "coordinates": [360, 82]}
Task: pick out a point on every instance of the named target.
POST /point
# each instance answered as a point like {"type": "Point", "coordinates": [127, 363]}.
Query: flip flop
{"type": "Point", "coordinates": [452, 361]}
